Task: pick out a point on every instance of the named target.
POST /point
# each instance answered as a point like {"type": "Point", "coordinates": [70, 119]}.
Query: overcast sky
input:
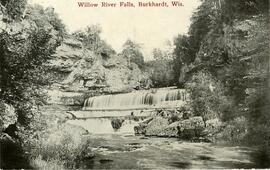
{"type": "Point", "coordinates": [150, 27]}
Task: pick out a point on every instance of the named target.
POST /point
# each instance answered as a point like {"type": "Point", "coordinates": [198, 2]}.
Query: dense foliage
{"type": "Point", "coordinates": [26, 45]}
{"type": "Point", "coordinates": [160, 69]}
{"type": "Point", "coordinates": [132, 51]}
{"type": "Point", "coordinates": [29, 36]}
{"type": "Point", "coordinates": [90, 38]}
{"type": "Point", "coordinates": [228, 45]}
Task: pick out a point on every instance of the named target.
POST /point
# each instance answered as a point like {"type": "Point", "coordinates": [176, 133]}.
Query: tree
{"type": "Point", "coordinates": [229, 40]}
{"type": "Point", "coordinates": [157, 54]}
{"type": "Point", "coordinates": [160, 69]}
{"type": "Point", "coordinates": [90, 37]}
{"type": "Point", "coordinates": [14, 10]}
{"type": "Point", "coordinates": [26, 46]}
{"type": "Point", "coordinates": [132, 51]}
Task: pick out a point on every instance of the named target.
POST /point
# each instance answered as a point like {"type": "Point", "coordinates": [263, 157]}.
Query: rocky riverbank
{"type": "Point", "coordinates": [177, 123]}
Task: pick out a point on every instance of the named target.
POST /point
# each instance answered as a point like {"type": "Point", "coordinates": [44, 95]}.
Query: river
{"type": "Point", "coordinates": [122, 149]}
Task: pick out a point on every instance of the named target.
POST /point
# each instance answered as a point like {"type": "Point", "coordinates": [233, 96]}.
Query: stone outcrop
{"type": "Point", "coordinates": [185, 129]}
{"type": "Point", "coordinates": [117, 123]}
{"type": "Point", "coordinates": [162, 127]}
{"type": "Point", "coordinates": [7, 116]}
{"type": "Point", "coordinates": [156, 126]}
{"type": "Point", "coordinates": [78, 69]}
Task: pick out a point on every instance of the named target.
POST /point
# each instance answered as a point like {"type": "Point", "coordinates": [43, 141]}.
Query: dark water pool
{"type": "Point", "coordinates": [120, 151]}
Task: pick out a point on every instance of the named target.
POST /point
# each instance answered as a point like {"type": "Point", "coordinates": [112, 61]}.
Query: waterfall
{"type": "Point", "coordinates": [99, 111]}
{"type": "Point", "coordinates": [154, 98]}
{"type": "Point", "coordinates": [103, 126]}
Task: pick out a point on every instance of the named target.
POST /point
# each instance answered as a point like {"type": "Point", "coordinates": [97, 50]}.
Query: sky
{"type": "Point", "coordinates": [150, 27]}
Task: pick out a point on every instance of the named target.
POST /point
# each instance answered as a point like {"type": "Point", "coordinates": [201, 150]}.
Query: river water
{"type": "Point", "coordinates": [121, 149]}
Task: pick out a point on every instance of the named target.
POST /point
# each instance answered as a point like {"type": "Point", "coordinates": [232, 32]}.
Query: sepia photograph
{"type": "Point", "coordinates": [134, 84]}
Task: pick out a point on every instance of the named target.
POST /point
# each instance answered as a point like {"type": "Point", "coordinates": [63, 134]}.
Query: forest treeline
{"type": "Point", "coordinates": [223, 62]}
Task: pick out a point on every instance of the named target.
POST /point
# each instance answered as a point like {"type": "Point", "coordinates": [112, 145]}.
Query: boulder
{"type": "Point", "coordinates": [87, 153]}
{"type": "Point", "coordinates": [140, 129]}
{"type": "Point", "coordinates": [156, 126]}
{"type": "Point", "coordinates": [191, 127]}
{"type": "Point", "coordinates": [7, 116]}
{"type": "Point", "coordinates": [172, 130]}
{"type": "Point", "coordinates": [185, 129]}
{"type": "Point", "coordinates": [172, 115]}
{"type": "Point", "coordinates": [117, 123]}
{"type": "Point", "coordinates": [147, 120]}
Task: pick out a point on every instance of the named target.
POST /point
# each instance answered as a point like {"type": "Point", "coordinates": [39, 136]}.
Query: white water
{"type": "Point", "coordinates": [103, 126]}
{"type": "Point", "coordinates": [143, 99]}
{"type": "Point", "coordinates": [109, 114]}
{"type": "Point", "coordinates": [98, 111]}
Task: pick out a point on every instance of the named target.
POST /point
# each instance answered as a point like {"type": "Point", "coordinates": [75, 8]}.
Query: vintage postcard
{"type": "Point", "coordinates": [134, 84]}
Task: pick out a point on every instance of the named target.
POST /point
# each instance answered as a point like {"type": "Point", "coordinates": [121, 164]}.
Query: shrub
{"type": "Point", "coordinates": [207, 97]}
{"type": "Point", "coordinates": [54, 145]}
{"type": "Point", "coordinates": [235, 131]}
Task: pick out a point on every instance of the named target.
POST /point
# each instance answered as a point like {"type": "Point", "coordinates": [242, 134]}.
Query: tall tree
{"type": "Point", "coordinates": [26, 44]}
{"type": "Point", "coordinates": [132, 51]}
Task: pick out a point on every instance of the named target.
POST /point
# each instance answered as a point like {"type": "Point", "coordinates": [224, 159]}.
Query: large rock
{"type": "Point", "coordinates": [141, 128]}
{"type": "Point", "coordinates": [156, 126]}
{"type": "Point", "coordinates": [160, 126]}
{"type": "Point", "coordinates": [172, 130]}
{"type": "Point", "coordinates": [7, 116]}
{"type": "Point", "coordinates": [66, 98]}
{"type": "Point", "coordinates": [117, 123]}
{"type": "Point", "coordinates": [192, 127]}
{"type": "Point", "coordinates": [185, 129]}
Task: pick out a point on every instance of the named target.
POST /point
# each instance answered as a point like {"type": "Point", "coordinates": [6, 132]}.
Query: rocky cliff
{"type": "Point", "coordinates": [78, 69]}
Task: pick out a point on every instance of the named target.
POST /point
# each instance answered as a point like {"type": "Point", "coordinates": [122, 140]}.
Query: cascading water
{"type": "Point", "coordinates": [99, 111]}
{"type": "Point", "coordinates": [104, 126]}
{"type": "Point", "coordinates": [154, 98]}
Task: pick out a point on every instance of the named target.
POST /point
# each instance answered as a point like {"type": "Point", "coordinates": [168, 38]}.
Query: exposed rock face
{"type": "Point", "coordinates": [156, 126]}
{"type": "Point", "coordinates": [7, 116]}
{"type": "Point", "coordinates": [160, 126]}
{"type": "Point", "coordinates": [65, 98]}
{"type": "Point", "coordinates": [141, 128]}
{"type": "Point", "coordinates": [78, 69]}
{"type": "Point", "coordinates": [185, 129]}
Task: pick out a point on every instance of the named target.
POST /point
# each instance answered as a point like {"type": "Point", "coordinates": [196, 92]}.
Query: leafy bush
{"type": "Point", "coordinates": [68, 152]}
{"type": "Point", "coordinates": [207, 97]}
{"type": "Point", "coordinates": [53, 144]}
{"type": "Point", "coordinates": [235, 131]}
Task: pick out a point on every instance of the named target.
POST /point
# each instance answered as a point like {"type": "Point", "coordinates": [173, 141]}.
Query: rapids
{"type": "Point", "coordinates": [121, 149]}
